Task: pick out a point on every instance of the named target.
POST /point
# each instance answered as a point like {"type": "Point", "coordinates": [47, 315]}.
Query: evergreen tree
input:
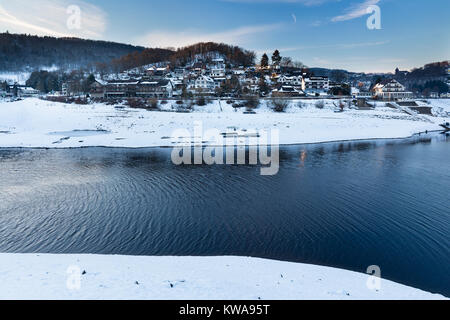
{"type": "Point", "coordinates": [264, 61]}
{"type": "Point", "coordinates": [44, 81]}
{"type": "Point", "coordinates": [88, 82]}
{"type": "Point", "coordinates": [276, 58]}
{"type": "Point", "coordinates": [263, 87]}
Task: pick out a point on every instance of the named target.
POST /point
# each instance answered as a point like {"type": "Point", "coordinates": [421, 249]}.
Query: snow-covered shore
{"type": "Point", "coordinates": [97, 277]}
{"type": "Point", "coordinates": [37, 123]}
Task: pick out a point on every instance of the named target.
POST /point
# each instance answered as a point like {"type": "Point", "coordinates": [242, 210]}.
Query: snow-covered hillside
{"type": "Point", "coordinates": [36, 276]}
{"type": "Point", "coordinates": [37, 123]}
{"type": "Point", "coordinates": [15, 77]}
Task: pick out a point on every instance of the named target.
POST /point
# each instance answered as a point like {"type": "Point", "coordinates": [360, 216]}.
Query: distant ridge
{"type": "Point", "coordinates": [21, 52]}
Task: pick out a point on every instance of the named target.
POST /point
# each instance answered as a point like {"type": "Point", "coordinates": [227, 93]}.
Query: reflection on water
{"type": "Point", "coordinates": [348, 205]}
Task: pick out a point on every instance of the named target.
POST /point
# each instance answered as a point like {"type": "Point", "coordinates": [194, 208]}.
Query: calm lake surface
{"type": "Point", "coordinates": [348, 205]}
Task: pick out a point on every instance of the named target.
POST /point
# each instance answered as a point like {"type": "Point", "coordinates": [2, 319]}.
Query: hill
{"type": "Point", "coordinates": [21, 52]}
{"type": "Point", "coordinates": [232, 54]}
{"type": "Point", "coordinates": [182, 56]}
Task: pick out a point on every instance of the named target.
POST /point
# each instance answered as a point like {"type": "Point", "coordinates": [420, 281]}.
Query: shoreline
{"type": "Point", "coordinates": [39, 124]}
{"type": "Point", "coordinates": [111, 277]}
{"type": "Point", "coordinates": [211, 145]}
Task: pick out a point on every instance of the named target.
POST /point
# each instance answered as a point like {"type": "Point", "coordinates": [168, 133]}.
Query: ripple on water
{"type": "Point", "coordinates": [349, 205]}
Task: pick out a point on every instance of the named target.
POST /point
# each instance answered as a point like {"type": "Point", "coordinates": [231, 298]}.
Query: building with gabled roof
{"type": "Point", "coordinates": [391, 89]}
{"type": "Point", "coordinates": [288, 91]}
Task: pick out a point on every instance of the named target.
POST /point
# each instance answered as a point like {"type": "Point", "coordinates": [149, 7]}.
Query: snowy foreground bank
{"type": "Point", "coordinates": [37, 123]}
{"type": "Point", "coordinates": [33, 276]}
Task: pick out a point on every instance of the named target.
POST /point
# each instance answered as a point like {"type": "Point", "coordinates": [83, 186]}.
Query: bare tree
{"type": "Point", "coordinates": [279, 105]}
{"type": "Point", "coordinates": [286, 62]}
{"type": "Point", "coordinates": [298, 64]}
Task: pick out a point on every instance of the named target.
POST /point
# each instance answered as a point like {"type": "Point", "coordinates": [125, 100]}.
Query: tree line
{"type": "Point", "coordinates": [20, 52]}
{"type": "Point", "coordinates": [182, 56]}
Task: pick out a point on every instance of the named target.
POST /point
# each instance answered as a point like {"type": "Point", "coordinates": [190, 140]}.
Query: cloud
{"type": "Point", "coordinates": [304, 2]}
{"type": "Point", "coordinates": [238, 36]}
{"type": "Point", "coordinates": [355, 11]}
{"type": "Point", "coordinates": [50, 17]}
{"type": "Point", "coordinates": [322, 62]}
{"type": "Point", "coordinates": [361, 44]}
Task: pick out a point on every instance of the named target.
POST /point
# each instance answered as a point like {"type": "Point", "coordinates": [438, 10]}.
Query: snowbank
{"type": "Point", "coordinates": [440, 106]}
{"type": "Point", "coordinates": [37, 123]}
{"type": "Point", "coordinates": [34, 276]}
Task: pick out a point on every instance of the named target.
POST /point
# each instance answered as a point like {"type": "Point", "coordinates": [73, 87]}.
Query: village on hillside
{"type": "Point", "coordinates": [224, 158]}
{"type": "Point", "coordinates": [211, 75]}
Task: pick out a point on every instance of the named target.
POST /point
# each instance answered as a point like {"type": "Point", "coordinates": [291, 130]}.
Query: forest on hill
{"type": "Point", "coordinates": [21, 52]}
{"type": "Point", "coordinates": [182, 56]}
{"type": "Point", "coordinates": [232, 54]}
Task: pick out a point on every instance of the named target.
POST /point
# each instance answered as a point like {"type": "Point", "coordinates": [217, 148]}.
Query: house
{"type": "Point", "coordinates": [434, 95]}
{"type": "Point", "coordinates": [217, 68]}
{"type": "Point", "coordinates": [12, 90]}
{"type": "Point", "coordinates": [288, 91]}
{"type": "Point", "coordinates": [156, 88]}
{"type": "Point", "coordinates": [179, 72]}
{"type": "Point", "coordinates": [157, 72]}
{"type": "Point", "coordinates": [198, 68]}
{"type": "Point", "coordinates": [121, 88]}
{"type": "Point", "coordinates": [391, 90]}
{"type": "Point", "coordinates": [96, 89]}
{"type": "Point", "coordinates": [65, 89]}
{"type": "Point", "coordinates": [218, 82]}
{"type": "Point", "coordinates": [334, 84]}
{"type": "Point", "coordinates": [363, 85]}
{"type": "Point", "coordinates": [203, 84]}
{"type": "Point", "coordinates": [250, 83]}
{"type": "Point", "coordinates": [316, 84]}
{"type": "Point", "coordinates": [296, 80]}
{"type": "Point", "coordinates": [358, 94]}
{"type": "Point", "coordinates": [146, 88]}
{"type": "Point", "coordinates": [362, 95]}
{"type": "Point", "coordinates": [25, 92]}
{"type": "Point", "coordinates": [178, 86]}
{"type": "Point", "coordinates": [238, 71]}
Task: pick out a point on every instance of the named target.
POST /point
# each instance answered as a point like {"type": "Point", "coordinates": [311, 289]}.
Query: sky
{"type": "Point", "coordinates": [319, 33]}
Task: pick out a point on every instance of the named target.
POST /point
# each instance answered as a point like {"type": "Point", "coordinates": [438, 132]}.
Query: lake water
{"type": "Point", "coordinates": [348, 205]}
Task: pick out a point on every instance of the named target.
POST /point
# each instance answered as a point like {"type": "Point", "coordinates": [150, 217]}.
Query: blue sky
{"type": "Point", "coordinates": [320, 33]}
